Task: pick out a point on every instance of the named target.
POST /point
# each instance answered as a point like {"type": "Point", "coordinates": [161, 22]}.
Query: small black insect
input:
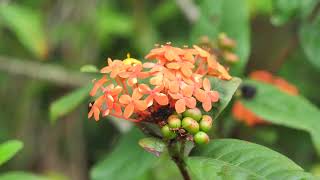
{"type": "Point", "coordinates": [248, 91]}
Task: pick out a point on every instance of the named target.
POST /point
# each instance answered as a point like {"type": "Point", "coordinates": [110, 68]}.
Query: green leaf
{"type": "Point", "coordinates": [16, 175]}
{"type": "Point", "coordinates": [226, 90]}
{"type": "Point", "coordinates": [231, 17]}
{"type": "Point", "coordinates": [153, 145]}
{"type": "Point", "coordinates": [126, 161]}
{"type": "Point", "coordinates": [286, 10]}
{"type": "Point", "coordinates": [308, 75]}
{"type": "Point", "coordinates": [27, 25]}
{"type": "Point", "coordinates": [310, 37]}
{"type": "Point", "coordinates": [235, 159]}
{"type": "Point", "coordinates": [89, 68]}
{"type": "Point", "coordinates": [69, 102]}
{"type": "Point", "coordinates": [9, 149]}
{"type": "Point", "coordinates": [277, 107]}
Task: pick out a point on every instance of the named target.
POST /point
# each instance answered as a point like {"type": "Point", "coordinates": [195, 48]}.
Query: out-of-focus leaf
{"type": "Point", "coordinates": [9, 149]}
{"type": "Point", "coordinates": [280, 108]}
{"type": "Point", "coordinates": [16, 175]}
{"type": "Point", "coordinates": [299, 71]}
{"type": "Point", "coordinates": [310, 38]}
{"type": "Point", "coordinates": [260, 7]}
{"type": "Point", "coordinates": [27, 26]}
{"type": "Point", "coordinates": [113, 22]}
{"type": "Point", "coordinates": [164, 169]}
{"type": "Point", "coordinates": [235, 159]}
{"type": "Point", "coordinates": [89, 68]}
{"type": "Point", "coordinates": [164, 11]}
{"type": "Point", "coordinates": [67, 103]}
{"type": "Point", "coordinates": [153, 145]}
{"type": "Point", "coordinates": [285, 10]}
{"type": "Point", "coordinates": [127, 161]}
{"type": "Point", "coordinates": [226, 91]}
{"type": "Point", "coordinates": [231, 17]}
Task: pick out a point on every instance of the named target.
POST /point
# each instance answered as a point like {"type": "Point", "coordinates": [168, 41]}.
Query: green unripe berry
{"type": "Point", "coordinates": [174, 121]}
{"type": "Point", "coordinates": [173, 116]}
{"type": "Point", "coordinates": [190, 125]}
{"type": "Point", "coordinates": [178, 114]}
{"type": "Point", "coordinates": [206, 123]}
{"type": "Point", "coordinates": [167, 133]}
{"type": "Point", "coordinates": [194, 113]}
{"type": "Point", "coordinates": [201, 138]}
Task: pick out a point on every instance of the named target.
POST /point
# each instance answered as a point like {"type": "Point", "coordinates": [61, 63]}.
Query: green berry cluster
{"type": "Point", "coordinates": [190, 123]}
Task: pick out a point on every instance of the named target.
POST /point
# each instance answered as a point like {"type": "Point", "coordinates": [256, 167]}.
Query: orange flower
{"type": "Point", "coordinates": [155, 67]}
{"type": "Point", "coordinates": [177, 77]}
{"type": "Point", "coordinates": [132, 103]}
{"type": "Point", "coordinates": [207, 96]}
{"type": "Point", "coordinates": [154, 94]}
{"type": "Point", "coordinates": [241, 113]}
{"type": "Point", "coordinates": [182, 102]}
{"type": "Point", "coordinates": [98, 85]}
{"type": "Point", "coordinates": [267, 77]}
{"type": "Point", "coordinates": [166, 52]}
{"type": "Point", "coordinates": [114, 67]}
{"type": "Point", "coordinates": [184, 66]}
{"type": "Point", "coordinates": [111, 93]}
{"type": "Point", "coordinates": [95, 109]}
{"type": "Point", "coordinates": [184, 99]}
{"type": "Point", "coordinates": [133, 74]}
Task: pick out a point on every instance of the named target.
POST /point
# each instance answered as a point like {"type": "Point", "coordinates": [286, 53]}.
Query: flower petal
{"type": "Point", "coordinates": [144, 89]}
{"type": "Point", "coordinates": [149, 101]}
{"type": "Point", "coordinates": [186, 71]}
{"type": "Point", "coordinates": [207, 105]}
{"type": "Point", "coordinates": [161, 99]}
{"type": "Point", "coordinates": [97, 85]}
{"type": "Point", "coordinates": [214, 96]}
{"type": "Point", "coordinates": [132, 81]}
{"type": "Point", "coordinates": [149, 65]}
{"type": "Point", "coordinates": [187, 91]}
{"type": "Point", "coordinates": [136, 94]}
{"type": "Point", "coordinates": [173, 65]}
{"type": "Point", "coordinates": [125, 99]}
{"type": "Point", "coordinates": [200, 95]}
{"type": "Point", "coordinates": [156, 80]}
{"type": "Point", "coordinates": [140, 105]}
{"type": "Point", "coordinates": [117, 109]}
{"type": "Point", "coordinates": [180, 106]}
{"type": "Point", "coordinates": [174, 86]}
{"type": "Point", "coordinates": [206, 84]}
{"type": "Point", "coordinates": [128, 110]}
{"type": "Point", "coordinates": [191, 102]}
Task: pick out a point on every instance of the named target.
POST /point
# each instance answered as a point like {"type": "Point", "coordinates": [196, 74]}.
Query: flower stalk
{"type": "Point", "coordinates": [177, 155]}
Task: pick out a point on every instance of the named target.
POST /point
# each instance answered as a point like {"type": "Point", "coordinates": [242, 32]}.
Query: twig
{"type": "Point", "coordinates": [189, 9]}
{"type": "Point", "coordinates": [178, 157]}
{"type": "Point", "coordinates": [48, 72]}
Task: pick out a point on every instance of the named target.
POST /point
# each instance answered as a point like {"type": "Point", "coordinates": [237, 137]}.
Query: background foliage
{"type": "Point", "coordinates": [44, 44]}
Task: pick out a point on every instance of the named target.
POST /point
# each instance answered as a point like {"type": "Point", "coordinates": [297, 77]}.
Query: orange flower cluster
{"type": "Point", "coordinates": [241, 113]}
{"type": "Point", "coordinates": [176, 78]}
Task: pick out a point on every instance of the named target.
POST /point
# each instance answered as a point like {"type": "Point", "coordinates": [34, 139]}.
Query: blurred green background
{"type": "Point", "coordinates": [44, 43]}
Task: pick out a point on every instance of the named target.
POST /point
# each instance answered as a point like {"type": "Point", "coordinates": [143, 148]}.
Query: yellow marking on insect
{"type": "Point", "coordinates": [131, 61]}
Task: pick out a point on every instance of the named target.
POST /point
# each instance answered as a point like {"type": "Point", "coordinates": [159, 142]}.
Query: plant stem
{"type": "Point", "coordinates": [177, 156]}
